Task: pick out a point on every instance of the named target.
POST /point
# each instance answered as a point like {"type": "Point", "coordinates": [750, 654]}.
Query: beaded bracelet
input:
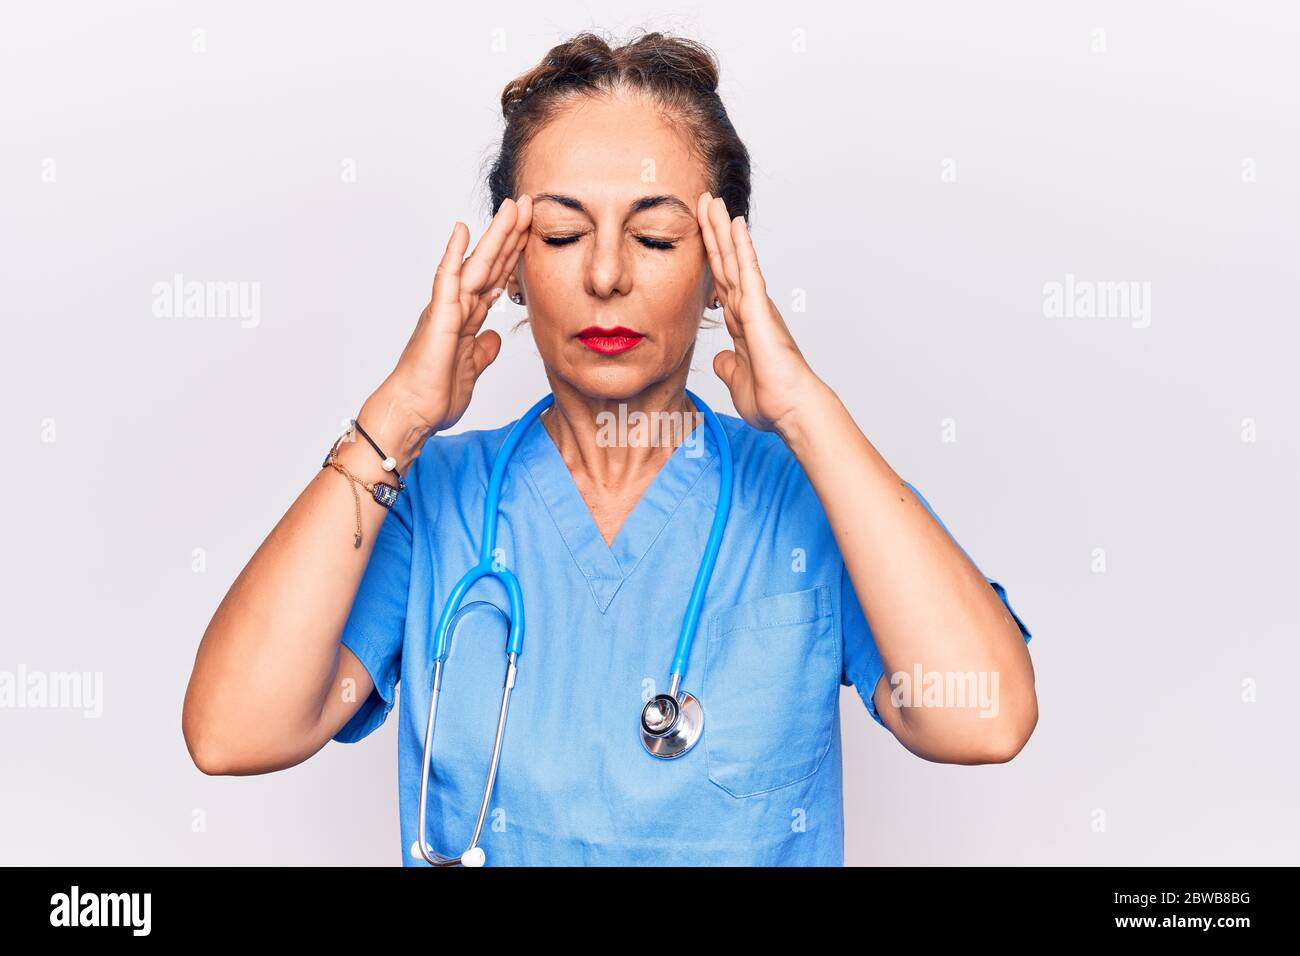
{"type": "Point", "coordinates": [389, 462]}
{"type": "Point", "coordinates": [383, 493]}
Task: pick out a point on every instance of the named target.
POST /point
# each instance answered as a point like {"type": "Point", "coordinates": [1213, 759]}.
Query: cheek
{"type": "Point", "coordinates": [682, 292]}
{"type": "Point", "coordinates": [547, 277]}
{"type": "Point", "coordinates": [672, 282]}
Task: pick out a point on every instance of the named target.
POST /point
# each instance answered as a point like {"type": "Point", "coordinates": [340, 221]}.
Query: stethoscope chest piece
{"type": "Point", "coordinates": [670, 726]}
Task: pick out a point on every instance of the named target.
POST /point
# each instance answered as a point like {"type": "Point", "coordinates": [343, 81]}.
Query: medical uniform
{"type": "Point", "coordinates": [781, 631]}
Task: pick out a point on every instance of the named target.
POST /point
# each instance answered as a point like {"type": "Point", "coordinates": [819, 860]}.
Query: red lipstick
{"type": "Point", "coordinates": [609, 341]}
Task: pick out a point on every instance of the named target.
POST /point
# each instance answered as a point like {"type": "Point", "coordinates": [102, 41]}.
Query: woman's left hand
{"type": "Point", "coordinates": [766, 373]}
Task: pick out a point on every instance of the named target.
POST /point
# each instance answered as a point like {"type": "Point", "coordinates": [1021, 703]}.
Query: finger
{"type": "Point", "coordinates": [726, 249]}
{"type": "Point", "coordinates": [513, 248]}
{"type": "Point", "coordinates": [486, 349]}
{"type": "Point", "coordinates": [484, 303]}
{"type": "Point", "coordinates": [510, 247]}
{"type": "Point", "coordinates": [446, 278]}
{"type": "Point", "coordinates": [751, 277]}
{"type": "Point", "coordinates": [734, 328]}
{"type": "Point", "coordinates": [479, 264]}
{"type": "Point", "coordinates": [479, 313]}
{"type": "Point", "coordinates": [724, 366]}
{"type": "Point", "coordinates": [477, 299]}
{"type": "Point", "coordinates": [703, 205]}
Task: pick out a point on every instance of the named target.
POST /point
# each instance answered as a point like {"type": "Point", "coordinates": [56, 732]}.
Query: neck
{"type": "Point", "coordinates": [617, 443]}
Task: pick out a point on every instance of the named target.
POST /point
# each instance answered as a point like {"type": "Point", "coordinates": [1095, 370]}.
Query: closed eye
{"type": "Point", "coordinates": [644, 240]}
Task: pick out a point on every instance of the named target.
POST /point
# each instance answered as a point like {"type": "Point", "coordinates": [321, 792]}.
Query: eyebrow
{"type": "Point", "coordinates": [636, 206]}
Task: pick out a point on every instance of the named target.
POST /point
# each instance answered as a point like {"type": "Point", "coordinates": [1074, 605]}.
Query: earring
{"type": "Point", "coordinates": [717, 304]}
{"type": "Point", "coordinates": [517, 298]}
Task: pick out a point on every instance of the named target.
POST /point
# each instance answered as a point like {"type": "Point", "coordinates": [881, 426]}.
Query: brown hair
{"type": "Point", "coordinates": [680, 75]}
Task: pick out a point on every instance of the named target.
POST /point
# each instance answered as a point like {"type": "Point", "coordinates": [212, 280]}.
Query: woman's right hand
{"type": "Point", "coordinates": [431, 386]}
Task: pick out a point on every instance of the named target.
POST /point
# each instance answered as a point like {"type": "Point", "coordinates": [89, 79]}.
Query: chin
{"type": "Point", "coordinates": [613, 383]}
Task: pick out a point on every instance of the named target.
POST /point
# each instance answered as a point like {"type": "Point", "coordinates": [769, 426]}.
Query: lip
{"type": "Point", "coordinates": [609, 341]}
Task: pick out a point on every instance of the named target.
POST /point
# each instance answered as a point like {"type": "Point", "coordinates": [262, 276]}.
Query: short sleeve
{"type": "Point", "coordinates": [863, 667]}
{"type": "Point", "coordinates": [376, 623]}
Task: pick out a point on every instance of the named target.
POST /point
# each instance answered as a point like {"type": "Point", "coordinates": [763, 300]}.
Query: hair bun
{"type": "Point", "coordinates": [680, 74]}
{"type": "Point", "coordinates": [654, 60]}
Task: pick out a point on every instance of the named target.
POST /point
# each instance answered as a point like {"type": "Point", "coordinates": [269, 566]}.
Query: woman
{"type": "Point", "coordinates": [832, 569]}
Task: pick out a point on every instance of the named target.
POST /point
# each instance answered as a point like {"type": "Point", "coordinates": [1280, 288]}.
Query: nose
{"type": "Point", "coordinates": [609, 270]}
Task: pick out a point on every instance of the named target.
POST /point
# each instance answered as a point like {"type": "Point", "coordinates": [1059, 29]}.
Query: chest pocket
{"type": "Point", "coordinates": [770, 691]}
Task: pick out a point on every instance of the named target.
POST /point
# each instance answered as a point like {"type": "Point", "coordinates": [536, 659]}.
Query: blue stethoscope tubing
{"type": "Point", "coordinates": [487, 566]}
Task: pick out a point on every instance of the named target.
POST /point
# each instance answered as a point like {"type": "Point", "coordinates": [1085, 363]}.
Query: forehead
{"type": "Point", "coordinates": [610, 148]}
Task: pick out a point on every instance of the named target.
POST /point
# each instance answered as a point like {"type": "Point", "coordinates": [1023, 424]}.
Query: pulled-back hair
{"type": "Point", "coordinates": [680, 76]}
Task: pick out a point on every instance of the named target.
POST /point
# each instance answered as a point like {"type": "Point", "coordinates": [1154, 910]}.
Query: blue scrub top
{"type": "Point", "coordinates": [781, 630]}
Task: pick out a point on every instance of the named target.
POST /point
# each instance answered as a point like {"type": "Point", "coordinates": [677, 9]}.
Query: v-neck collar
{"type": "Point", "coordinates": [607, 566]}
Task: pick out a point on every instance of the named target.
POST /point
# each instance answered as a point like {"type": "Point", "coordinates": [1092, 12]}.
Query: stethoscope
{"type": "Point", "coordinates": [670, 723]}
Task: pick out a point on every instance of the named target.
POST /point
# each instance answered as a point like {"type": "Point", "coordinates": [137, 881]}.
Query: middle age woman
{"type": "Point", "coordinates": [832, 570]}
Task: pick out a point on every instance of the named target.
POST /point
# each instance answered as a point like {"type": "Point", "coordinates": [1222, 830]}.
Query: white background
{"type": "Point", "coordinates": [924, 303]}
